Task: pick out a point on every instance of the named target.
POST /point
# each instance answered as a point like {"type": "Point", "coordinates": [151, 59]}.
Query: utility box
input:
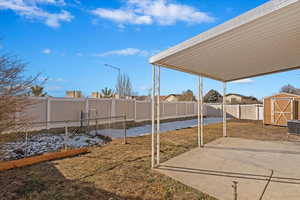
{"type": "Point", "coordinates": [294, 127]}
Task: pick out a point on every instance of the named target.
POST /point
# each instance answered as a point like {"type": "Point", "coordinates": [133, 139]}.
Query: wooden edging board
{"type": "Point", "coordinates": [41, 158]}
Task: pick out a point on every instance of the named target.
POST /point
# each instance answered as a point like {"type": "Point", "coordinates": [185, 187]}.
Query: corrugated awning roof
{"type": "Point", "coordinates": [262, 41]}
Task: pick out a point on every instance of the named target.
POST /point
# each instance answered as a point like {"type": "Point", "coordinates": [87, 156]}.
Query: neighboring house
{"type": "Point", "coordinates": [147, 98]}
{"type": "Point", "coordinates": [169, 98]}
{"type": "Point", "coordinates": [74, 94]}
{"type": "Point", "coordinates": [240, 99]}
{"type": "Point", "coordinates": [172, 98]}
{"type": "Point", "coordinates": [142, 98]}
{"type": "Point", "coordinates": [96, 95]}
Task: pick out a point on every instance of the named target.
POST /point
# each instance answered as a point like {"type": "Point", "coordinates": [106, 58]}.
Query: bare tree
{"type": "Point", "coordinates": [187, 95]}
{"type": "Point", "coordinates": [289, 89]}
{"type": "Point", "coordinates": [124, 87]}
{"type": "Point", "coordinates": [14, 89]}
{"type": "Point", "coordinates": [213, 96]}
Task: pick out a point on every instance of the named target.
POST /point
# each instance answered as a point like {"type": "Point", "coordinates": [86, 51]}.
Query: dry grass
{"type": "Point", "coordinates": [118, 171]}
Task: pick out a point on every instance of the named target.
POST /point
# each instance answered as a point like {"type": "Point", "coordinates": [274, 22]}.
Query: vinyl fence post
{"type": "Point", "coordinates": [26, 141]}
{"type": "Point", "coordinates": [257, 112]}
{"type": "Point", "coordinates": [66, 135]}
{"type": "Point", "coordinates": [125, 130]}
{"type": "Point", "coordinates": [238, 108]}
{"type": "Point", "coordinates": [48, 113]}
{"type": "Point", "coordinates": [96, 126]}
{"type": "Point", "coordinates": [135, 110]}
{"type": "Point", "coordinates": [113, 107]}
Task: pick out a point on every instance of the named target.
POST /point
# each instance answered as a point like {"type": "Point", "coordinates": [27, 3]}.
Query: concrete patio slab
{"type": "Point", "coordinates": [263, 169]}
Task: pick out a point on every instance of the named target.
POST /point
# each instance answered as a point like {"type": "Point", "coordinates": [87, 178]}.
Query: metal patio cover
{"type": "Point", "coordinates": [262, 41]}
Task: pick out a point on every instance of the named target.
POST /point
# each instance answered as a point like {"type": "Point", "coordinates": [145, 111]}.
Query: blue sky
{"type": "Point", "coordinates": [69, 41]}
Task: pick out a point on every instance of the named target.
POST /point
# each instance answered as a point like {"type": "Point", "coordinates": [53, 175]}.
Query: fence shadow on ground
{"type": "Point", "coordinates": [45, 181]}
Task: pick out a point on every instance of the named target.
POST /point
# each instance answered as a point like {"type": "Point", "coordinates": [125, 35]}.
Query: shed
{"type": "Point", "coordinates": [280, 108]}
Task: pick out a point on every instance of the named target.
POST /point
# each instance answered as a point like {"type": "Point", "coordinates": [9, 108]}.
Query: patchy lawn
{"type": "Point", "coordinates": [118, 171]}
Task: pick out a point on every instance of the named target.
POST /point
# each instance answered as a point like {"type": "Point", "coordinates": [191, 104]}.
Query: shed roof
{"type": "Point", "coordinates": [262, 41]}
{"type": "Point", "coordinates": [283, 93]}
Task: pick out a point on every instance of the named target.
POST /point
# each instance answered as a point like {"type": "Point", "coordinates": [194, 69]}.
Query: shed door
{"type": "Point", "coordinates": [282, 110]}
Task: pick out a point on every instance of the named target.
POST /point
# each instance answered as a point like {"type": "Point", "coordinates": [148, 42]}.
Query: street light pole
{"type": "Point", "coordinates": [115, 68]}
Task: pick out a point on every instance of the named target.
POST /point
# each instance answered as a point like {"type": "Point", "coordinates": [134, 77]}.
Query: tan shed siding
{"type": "Point", "coordinates": [297, 109]}
{"type": "Point", "coordinates": [267, 111]}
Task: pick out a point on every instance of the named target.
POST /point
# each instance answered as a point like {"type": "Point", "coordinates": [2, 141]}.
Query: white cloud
{"type": "Point", "coordinates": [126, 52]}
{"type": "Point", "coordinates": [54, 2]}
{"type": "Point", "coordinates": [30, 10]}
{"type": "Point", "coordinates": [122, 16]}
{"type": "Point", "coordinates": [153, 11]}
{"type": "Point", "coordinates": [247, 80]}
{"type": "Point", "coordinates": [144, 88]}
{"type": "Point", "coordinates": [79, 54]}
{"type": "Point", "coordinates": [57, 80]}
{"type": "Point", "coordinates": [47, 51]}
{"type": "Point", "coordinates": [54, 88]}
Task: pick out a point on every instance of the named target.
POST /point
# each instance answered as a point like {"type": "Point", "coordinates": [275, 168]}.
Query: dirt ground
{"type": "Point", "coordinates": [118, 171]}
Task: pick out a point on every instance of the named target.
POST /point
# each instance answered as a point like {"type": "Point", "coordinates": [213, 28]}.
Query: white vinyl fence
{"type": "Point", "coordinates": [46, 109]}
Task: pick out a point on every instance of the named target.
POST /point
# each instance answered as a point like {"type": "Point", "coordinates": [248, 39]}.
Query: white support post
{"type": "Point", "coordinates": [201, 116]}
{"type": "Point", "coordinates": [224, 111]}
{"type": "Point", "coordinates": [158, 117]}
{"type": "Point", "coordinates": [153, 118]}
{"type": "Point", "coordinates": [200, 112]}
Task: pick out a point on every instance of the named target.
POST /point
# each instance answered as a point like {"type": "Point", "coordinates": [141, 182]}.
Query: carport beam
{"type": "Point", "coordinates": [158, 116]}
{"type": "Point", "coordinates": [224, 110]}
{"type": "Point", "coordinates": [153, 118]}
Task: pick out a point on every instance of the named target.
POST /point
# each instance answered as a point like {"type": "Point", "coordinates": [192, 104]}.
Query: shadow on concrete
{"type": "Point", "coordinates": [45, 181]}
{"type": "Point", "coordinates": [240, 175]}
{"type": "Point", "coordinates": [254, 150]}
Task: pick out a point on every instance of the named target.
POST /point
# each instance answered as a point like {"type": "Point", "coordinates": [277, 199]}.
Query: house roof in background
{"type": "Point", "coordinates": [240, 95]}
